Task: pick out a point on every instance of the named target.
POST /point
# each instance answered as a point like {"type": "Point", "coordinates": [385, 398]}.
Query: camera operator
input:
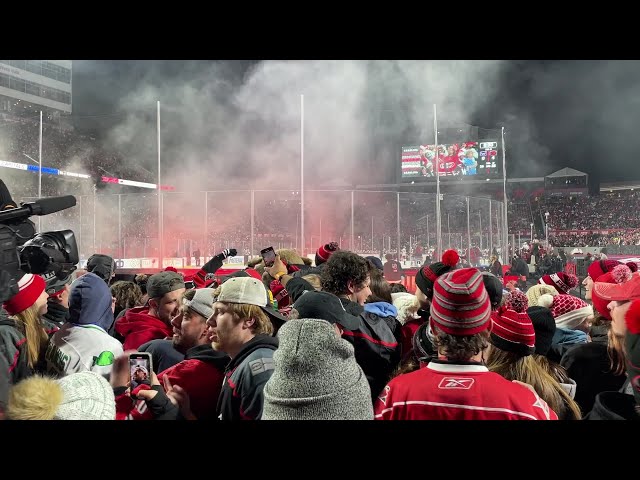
{"type": "Point", "coordinates": [24, 334]}
{"type": "Point", "coordinates": [24, 255]}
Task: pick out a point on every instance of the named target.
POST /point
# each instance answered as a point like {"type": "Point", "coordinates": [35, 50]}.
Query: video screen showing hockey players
{"type": "Point", "coordinates": [454, 159]}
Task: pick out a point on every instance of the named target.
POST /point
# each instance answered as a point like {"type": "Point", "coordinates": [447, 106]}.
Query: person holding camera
{"type": "Point", "coordinates": [24, 333]}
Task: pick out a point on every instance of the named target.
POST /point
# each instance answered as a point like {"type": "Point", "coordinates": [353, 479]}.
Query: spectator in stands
{"type": "Point", "coordinates": [624, 405]}
{"type": "Point", "coordinates": [141, 280]}
{"type": "Point", "coordinates": [460, 315]}
{"type": "Point", "coordinates": [316, 376]}
{"type": "Point", "coordinates": [393, 271]}
{"type": "Point", "coordinates": [142, 324]}
{"type": "Point", "coordinates": [23, 334]}
{"type": "Point", "coordinates": [240, 327]}
{"type": "Point", "coordinates": [103, 266]}
{"type": "Point", "coordinates": [511, 356]}
{"type": "Point", "coordinates": [495, 267]}
{"type": "Point", "coordinates": [201, 373]}
{"type": "Point", "coordinates": [127, 295]}
{"type": "Point", "coordinates": [58, 301]}
{"type": "Point", "coordinates": [83, 344]}
{"type": "Point", "coordinates": [597, 367]}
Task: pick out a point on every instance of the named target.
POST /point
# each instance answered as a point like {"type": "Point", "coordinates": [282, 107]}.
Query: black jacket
{"type": "Point", "coordinates": [296, 287]}
{"type": "Point", "coordinates": [614, 406]}
{"type": "Point", "coordinates": [163, 354]}
{"type": "Point", "coordinates": [376, 343]}
{"type": "Point", "coordinates": [241, 397]}
{"type": "Point", "coordinates": [588, 364]}
{"type": "Point", "coordinates": [56, 313]}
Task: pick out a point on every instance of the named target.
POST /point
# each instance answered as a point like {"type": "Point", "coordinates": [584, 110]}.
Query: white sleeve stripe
{"type": "Point", "coordinates": [453, 405]}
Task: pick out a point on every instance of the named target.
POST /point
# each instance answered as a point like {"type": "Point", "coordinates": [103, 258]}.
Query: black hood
{"type": "Point", "coordinates": [101, 265]}
{"type": "Point", "coordinates": [259, 341]}
{"type": "Point", "coordinates": [205, 353]}
{"type": "Point", "coordinates": [352, 307]}
{"type": "Point", "coordinates": [613, 406]}
{"type": "Point", "coordinates": [599, 333]}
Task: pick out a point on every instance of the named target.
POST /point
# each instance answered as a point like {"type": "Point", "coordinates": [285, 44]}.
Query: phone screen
{"type": "Point", "coordinates": [268, 255]}
{"type": "Point", "coordinates": [140, 369]}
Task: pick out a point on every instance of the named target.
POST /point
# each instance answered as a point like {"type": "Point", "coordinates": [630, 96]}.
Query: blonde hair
{"type": "Point", "coordinates": [526, 369]}
{"type": "Point", "coordinates": [242, 311]}
{"type": "Point", "coordinates": [314, 280]}
{"type": "Point", "coordinates": [30, 325]}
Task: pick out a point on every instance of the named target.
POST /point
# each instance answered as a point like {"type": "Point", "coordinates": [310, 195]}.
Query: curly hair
{"type": "Point", "coordinates": [141, 280]}
{"type": "Point", "coordinates": [128, 294]}
{"type": "Point", "coordinates": [341, 268]}
{"type": "Point", "coordinates": [460, 348]}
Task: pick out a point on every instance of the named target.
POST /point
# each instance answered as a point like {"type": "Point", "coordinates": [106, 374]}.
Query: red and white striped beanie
{"type": "Point", "coordinates": [30, 287]}
{"type": "Point", "coordinates": [460, 304]}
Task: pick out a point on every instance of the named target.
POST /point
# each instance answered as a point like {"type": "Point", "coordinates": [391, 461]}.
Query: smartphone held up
{"type": "Point", "coordinates": [268, 255]}
{"type": "Point", "coordinates": [140, 368]}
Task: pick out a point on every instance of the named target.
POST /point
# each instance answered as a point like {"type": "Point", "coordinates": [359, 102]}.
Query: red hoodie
{"type": "Point", "coordinates": [200, 374]}
{"type": "Point", "coordinates": [138, 327]}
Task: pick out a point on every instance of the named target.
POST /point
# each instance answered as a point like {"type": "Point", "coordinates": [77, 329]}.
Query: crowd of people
{"type": "Point", "coordinates": [336, 338]}
{"type": "Point", "coordinates": [607, 211]}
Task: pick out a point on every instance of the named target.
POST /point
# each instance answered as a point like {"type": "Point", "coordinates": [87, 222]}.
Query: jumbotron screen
{"type": "Point", "coordinates": [466, 159]}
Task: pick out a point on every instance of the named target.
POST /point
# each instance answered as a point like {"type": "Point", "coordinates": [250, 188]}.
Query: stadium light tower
{"type": "Point", "coordinates": [546, 227]}
{"type": "Point", "coordinates": [531, 232]}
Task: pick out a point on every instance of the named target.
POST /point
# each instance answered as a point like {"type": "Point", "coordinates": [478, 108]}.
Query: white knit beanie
{"type": "Point", "coordinates": [316, 376]}
{"type": "Point", "coordinates": [407, 305]}
{"type": "Point", "coordinates": [79, 396]}
{"type": "Point", "coordinates": [536, 291]}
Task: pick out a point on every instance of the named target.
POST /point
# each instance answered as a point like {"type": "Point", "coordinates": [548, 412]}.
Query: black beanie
{"type": "Point", "coordinates": [422, 345]}
{"type": "Point", "coordinates": [376, 262]}
{"type": "Point", "coordinates": [545, 327]}
{"type": "Point", "coordinates": [493, 286]}
{"type": "Point", "coordinates": [428, 274]}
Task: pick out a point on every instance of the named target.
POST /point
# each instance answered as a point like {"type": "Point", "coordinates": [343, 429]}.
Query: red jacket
{"type": "Point", "coordinates": [448, 391]}
{"type": "Point", "coordinates": [407, 331]}
{"type": "Point", "coordinates": [138, 327]}
{"type": "Point", "coordinates": [200, 374]}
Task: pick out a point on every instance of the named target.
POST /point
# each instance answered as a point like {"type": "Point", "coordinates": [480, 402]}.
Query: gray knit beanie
{"type": "Point", "coordinates": [316, 376]}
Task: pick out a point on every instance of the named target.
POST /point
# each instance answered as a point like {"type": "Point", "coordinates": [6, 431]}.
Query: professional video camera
{"type": "Point", "coordinates": [22, 250]}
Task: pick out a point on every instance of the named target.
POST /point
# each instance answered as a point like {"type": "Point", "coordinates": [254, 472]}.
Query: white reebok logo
{"type": "Point", "coordinates": [456, 382]}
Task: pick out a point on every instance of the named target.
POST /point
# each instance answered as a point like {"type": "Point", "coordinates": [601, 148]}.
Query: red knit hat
{"type": "Point", "coordinates": [30, 287]}
{"type": "Point", "coordinates": [460, 304]}
{"type": "Point", "coordinates": [562, 281]}
{"type": "Point", "coordinates": [620, 274]}
{"type": "Point", "coordinates": [517, 301]}
{"type": "Point", "coordinates": [599, 268]}
{"type": "Point", "coordinates": [171, 269]}
{"type": "Point", "coordinates": [513, 332]}
{"type": "Point", "coordinates": [324, 252]}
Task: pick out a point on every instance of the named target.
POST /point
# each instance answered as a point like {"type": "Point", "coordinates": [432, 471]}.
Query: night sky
{"type": "Point", "coordinates": [580, 114]}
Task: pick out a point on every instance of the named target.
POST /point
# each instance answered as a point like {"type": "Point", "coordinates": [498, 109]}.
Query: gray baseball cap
{"type": "Point", "coordinates": [162, 283]}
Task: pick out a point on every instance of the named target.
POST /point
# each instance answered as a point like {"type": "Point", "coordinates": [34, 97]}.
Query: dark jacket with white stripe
{"type": "Point", "coordinates": [241, 397]}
